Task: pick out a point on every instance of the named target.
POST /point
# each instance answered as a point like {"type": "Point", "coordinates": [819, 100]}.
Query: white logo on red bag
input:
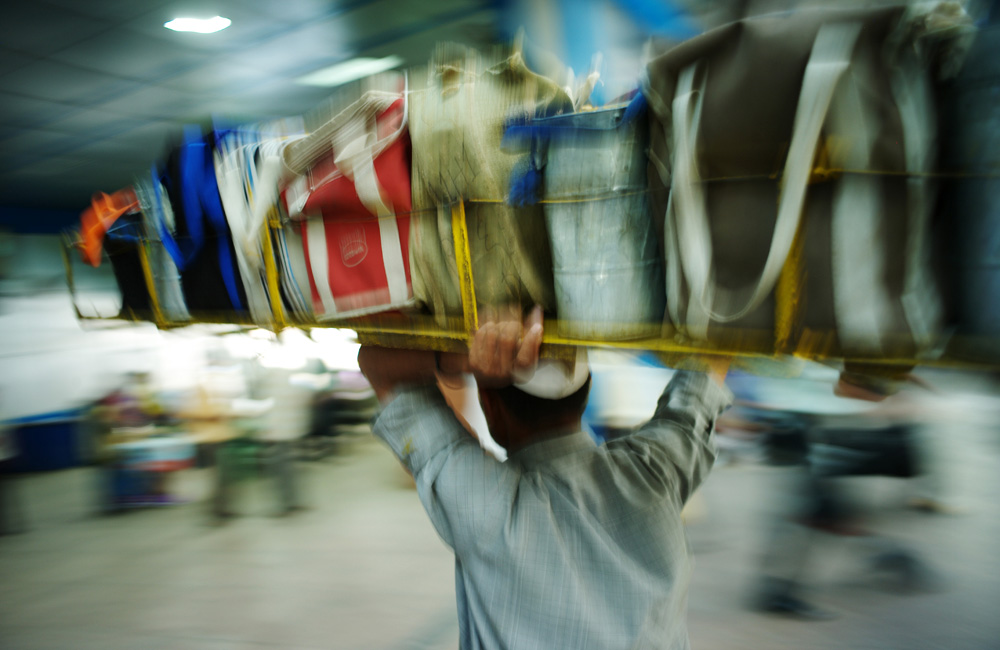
{"type": "Point", "coordinates": [353, 247]}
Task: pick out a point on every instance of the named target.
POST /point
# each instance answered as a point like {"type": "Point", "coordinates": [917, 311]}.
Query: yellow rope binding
{"type": "Point", "coordinates": [463, 261]}
{"type": "Point", "coordinates": [271, 271]}
{"type": "Point", "coordinates": [788, 293]}
{"type": "Point", "coordinates": [154, 298]}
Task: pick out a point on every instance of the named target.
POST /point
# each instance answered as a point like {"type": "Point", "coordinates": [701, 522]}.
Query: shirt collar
{"type": "Point", "coordinates": [545, 451]}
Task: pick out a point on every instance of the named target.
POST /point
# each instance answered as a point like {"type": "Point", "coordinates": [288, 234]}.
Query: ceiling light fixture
{"type": "Point", "coordinates": [198, 25]}
{"type": "Point", "coordinates": [352, 70]}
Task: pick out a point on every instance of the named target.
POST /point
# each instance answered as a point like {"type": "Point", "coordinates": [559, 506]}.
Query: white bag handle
{"type": "Point", "coordinates": [828, 61]}
{"type": "Point", "coordinates": [862, 305]}
{"type": "Point", "coordinates": [912, 91]}
{"type": "Point", "coordinates": [300, 155]}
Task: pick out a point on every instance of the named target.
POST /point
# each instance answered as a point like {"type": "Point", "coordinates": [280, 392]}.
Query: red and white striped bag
{"type": "Point", "coordinates": [352, 201]}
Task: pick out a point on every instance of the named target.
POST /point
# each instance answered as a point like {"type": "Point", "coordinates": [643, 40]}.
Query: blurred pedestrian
{"type": "Point", "coordinates": [287, 420]}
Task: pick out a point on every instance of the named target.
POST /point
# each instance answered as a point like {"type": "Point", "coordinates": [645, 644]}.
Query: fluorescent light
{"type": "Point", "coordinates": [199, 25]}
{"type": "Point", "coordinates": [352, 70]}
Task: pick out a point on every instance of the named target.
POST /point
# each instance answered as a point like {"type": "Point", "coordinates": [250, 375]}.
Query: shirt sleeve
{"type": "Point", "coordinates": [674, 450]}
{"type": "Point", "coordinates": [459, 484]}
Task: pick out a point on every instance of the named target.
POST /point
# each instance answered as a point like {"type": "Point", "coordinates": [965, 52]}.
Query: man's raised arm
{"type": "Point", "coordinates": [675, 447]}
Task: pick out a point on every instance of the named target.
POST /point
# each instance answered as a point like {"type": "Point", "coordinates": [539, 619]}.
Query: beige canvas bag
{"type": "Point", "coordinates": [458, 108]}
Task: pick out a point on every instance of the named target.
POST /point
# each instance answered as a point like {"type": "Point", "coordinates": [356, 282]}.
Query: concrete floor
{"type": "Point", "coordinates": [362, 568]}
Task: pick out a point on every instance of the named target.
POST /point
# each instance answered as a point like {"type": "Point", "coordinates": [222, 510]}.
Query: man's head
{"type": "Point", "coordinates": [517, 418]}
{"type": "Point", "coordinates": [524, 398]}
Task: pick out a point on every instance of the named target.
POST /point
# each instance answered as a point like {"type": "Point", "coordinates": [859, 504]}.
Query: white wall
{"type": "Point", "coordinates": [50, 360]}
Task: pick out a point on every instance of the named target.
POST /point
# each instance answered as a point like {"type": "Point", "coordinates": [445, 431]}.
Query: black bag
{"type": "Point", "coordinates": [122, 244]}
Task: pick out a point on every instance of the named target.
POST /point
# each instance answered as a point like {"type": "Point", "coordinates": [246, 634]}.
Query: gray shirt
{"type": "Point", "coordinates": [567, 544]}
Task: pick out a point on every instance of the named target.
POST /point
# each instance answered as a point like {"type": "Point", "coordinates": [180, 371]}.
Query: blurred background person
{"type": "Point", "coordinates": [820, 440]}
{"type": "Point", "coordinates": [289, 396]}
{"type": "Point", "coordinates": [129, 413]}
{"type": "Point", "coordinates": [213, 414]}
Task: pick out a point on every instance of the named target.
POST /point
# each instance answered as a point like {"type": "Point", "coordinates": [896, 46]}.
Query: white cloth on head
{"type": "Point", "coordinates": [555, 378]}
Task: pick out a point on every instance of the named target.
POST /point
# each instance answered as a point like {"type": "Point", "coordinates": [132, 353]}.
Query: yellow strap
{"type": "Point", "coordinates": [606, 196]}
{"type": "Point", "coordinates": [271, 273]}
{"type": "Point", "coordinates": [463, 261]}
{"type": "Point", "coordinates": [147, 272]}
{"type": "Point", "coordinates": [70, 280]}
{"type": "Point", "coordinates": [788, 292]}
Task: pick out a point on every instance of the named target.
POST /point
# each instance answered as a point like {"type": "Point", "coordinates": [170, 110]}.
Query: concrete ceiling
{"type": "Point", "coordinates": [91, 92]}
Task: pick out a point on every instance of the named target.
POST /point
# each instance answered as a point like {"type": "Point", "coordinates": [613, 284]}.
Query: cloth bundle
{"type": "Point", "coordinates": [458, 109]}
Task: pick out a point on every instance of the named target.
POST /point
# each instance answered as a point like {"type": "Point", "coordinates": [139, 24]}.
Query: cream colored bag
{"type": "Point", "coordinates": [458, 108]}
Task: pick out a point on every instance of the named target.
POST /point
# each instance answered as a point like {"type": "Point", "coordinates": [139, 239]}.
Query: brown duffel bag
{"type": "Point", "coordinates": [809, 135]}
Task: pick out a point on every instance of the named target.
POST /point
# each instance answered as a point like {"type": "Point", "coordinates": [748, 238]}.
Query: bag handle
{"type": "Point", "coordinates": [829, 59]}
{"type": "Point", "coordinates": [300, 155]}
{"type": "Point", "coordinates": [911, 88]}
{"type": "Point", "coordinates": [353, 136]}
{"type": "Point", "coordinates": [862, 304]}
